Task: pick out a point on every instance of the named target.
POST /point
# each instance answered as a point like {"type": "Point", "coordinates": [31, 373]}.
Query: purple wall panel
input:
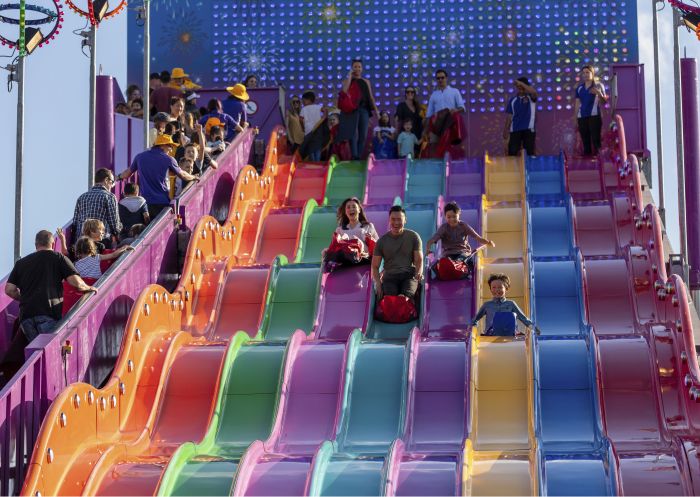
{"type": "Point", "coordinates": [104, 123]}
{"type": "Point", "coordinates": [631, 105]}
{"type": "Point", "coordinates": [691, 150]}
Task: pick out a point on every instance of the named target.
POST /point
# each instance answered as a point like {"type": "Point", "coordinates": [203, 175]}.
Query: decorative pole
{"type": "Point", "coordinates": [28, 40]}
{"type": "Point", "coordinates": [19, 146]}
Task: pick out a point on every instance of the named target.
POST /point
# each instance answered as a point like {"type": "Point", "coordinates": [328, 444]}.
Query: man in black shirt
{"type": "Point", "coordinates": [37, 282]}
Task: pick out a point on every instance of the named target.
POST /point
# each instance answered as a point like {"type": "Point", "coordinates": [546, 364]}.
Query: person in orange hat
{"type": "Point", "coordinates": [233, 125]}
{"type": "Point", "coordinates": [153, 166]}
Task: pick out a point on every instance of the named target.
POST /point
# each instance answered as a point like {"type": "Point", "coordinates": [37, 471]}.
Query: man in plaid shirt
{"type": "Point", "coordinates": [99, 203]}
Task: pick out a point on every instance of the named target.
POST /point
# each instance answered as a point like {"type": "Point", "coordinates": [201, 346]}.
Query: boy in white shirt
{"type": "Point", "coordinates": [310, 116]}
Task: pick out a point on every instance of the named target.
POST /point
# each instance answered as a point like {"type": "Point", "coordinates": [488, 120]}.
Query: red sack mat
{"type": "Point", "coordinates": [395, 309]}
{"type": "Point", "coordinates": [448, 269]}
{"type": "Point", "coordinates": [346, 250]}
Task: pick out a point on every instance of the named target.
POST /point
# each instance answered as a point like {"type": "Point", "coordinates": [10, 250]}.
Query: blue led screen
{"type": "Point", "coordinates": [308, 44]}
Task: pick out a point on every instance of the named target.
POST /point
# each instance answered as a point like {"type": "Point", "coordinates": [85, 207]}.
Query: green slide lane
{"type": "Point", "coordinates": [292, 304]}
{"type": "Point", "coordinates": [346, 179]}
{"type": "Point", "coordinates": [245, 411]}
{"type": "Point", "coordinates": [317, 235]}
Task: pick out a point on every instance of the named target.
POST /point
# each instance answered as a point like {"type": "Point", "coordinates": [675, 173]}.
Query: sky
{"type": "Point", "coordinates": [56, 122]}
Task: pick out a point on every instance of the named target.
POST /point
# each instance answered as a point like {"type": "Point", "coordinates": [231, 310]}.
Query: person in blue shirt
{"type": "Point", "coordinates": [499, 284]}
{"type": "Point", "coordinates": [233, 126]}
{"type": "Point", "coordinates": [153, 167]}
{"type": "Point", "coordinates": [590, 96]}
{"type": "Point", "coordinates": [520, 118]}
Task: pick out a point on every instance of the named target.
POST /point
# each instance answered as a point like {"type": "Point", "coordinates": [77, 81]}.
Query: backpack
{"type": "Point", "coordinates": [395, 309]}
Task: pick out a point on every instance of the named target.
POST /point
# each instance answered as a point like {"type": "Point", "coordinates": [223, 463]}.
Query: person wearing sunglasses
{"type": "Point", "coordinates": [444, 123]}
{"type": "Point", "coordinates": [412, 109]}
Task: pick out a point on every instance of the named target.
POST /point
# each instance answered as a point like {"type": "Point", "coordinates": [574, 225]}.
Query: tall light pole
{"type": "Point", "coordinates": [659, 127]}
{"type": "Point", "coordinates": [91, 41]}
{"type": "Point", "coordinates": [97, 11]}
{"type": "Point", "coordinates": [19, 150]}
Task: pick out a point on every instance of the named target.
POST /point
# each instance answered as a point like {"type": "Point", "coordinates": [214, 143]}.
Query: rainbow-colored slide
{"type": "Point", "coordinates": [259, 375]}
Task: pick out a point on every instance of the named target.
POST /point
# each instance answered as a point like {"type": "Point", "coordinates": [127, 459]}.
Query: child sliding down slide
{"type": "Point", "coordinates": [499, 285]}
{"type": "Point", "coordinates": [457, 258]}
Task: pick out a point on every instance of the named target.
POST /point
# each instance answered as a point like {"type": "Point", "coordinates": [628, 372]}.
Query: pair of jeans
{"type": "Point", "coordinates": [521, 139]}
{"type": "Point", "coordinates": [359, 138]}
{"type": "Point", "coordinates": [590, 129]}
{"type": "Point", "coordinates": [38, 325]}
{"type": "Point", "coordinates": [400, 284]}
{"type": "Point", "coordinates": [315, 156]}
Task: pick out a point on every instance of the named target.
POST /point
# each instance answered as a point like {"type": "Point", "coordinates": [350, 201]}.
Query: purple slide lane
{"type": "Point", "coordinates": [428, 459]}
{"type": "Point", "coordinates": [386, 180]}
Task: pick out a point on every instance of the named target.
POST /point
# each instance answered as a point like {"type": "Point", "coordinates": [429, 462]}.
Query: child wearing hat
{"type": "Point", "coordinates": [520, 118]}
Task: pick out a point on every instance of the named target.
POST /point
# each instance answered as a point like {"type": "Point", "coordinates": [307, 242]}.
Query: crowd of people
{"type": "Point", "coordinates": [184, 142]}
{"type": "Point", "coordinates": [422, 130]}
{"type": "Point", "coordinates": [186, 139]}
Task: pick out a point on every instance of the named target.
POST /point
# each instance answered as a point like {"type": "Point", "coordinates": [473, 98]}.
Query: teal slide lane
{"type": "Point", "coordinates": [317, 235]}
{"type": "Point", "coordinates": [345, 179]}
{"type": "Point", "coordinates": [421, 218]}
{"type": "Point", "coordinates": [374, 397]}
{"type": "Point", "coordinates": [244, 412]}
{"type": "Point", "coordinates": [425, 180]}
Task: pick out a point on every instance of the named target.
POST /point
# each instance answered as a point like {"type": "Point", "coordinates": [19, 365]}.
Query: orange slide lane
{"type": "Point", "coordinates": [118, 439]}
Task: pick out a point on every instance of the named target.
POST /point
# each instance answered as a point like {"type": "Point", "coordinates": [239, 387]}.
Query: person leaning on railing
{"type": "Point", "coordinates": [36, 281]}
{"type": "Point", "coordinates": [153, 166]}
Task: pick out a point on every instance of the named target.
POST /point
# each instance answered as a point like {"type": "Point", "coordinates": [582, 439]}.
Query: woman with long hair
{"type": "Point", "coordinates": [353, 226]}
{"type": "Point", "coordinates": [590, 97]}
{"type": "Point", "coordinates": [412, 109]}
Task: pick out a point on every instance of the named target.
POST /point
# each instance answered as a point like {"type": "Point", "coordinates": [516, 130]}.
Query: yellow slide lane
{"type": "Point", "coordinates": [500, 452]}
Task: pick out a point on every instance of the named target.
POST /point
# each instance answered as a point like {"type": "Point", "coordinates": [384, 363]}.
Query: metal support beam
{"type": "Point", "coordinates": [679, 142]}
{"type": "Point", "coordinates": [18, 76]}
{"type": "Point", "coordinates": [146, 70]}
{"type": "Point", "coordinates": [659, 126]}
{"type": "Point", "coordinates": [92, 42]}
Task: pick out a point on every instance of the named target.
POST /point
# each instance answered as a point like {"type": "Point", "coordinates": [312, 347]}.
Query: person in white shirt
{"type": "Point", "coordinates": [352, 224]}
{"type": "Point", "coordinates": [310, 115]}
{"type": "Point", "coordinates": [444, 104]}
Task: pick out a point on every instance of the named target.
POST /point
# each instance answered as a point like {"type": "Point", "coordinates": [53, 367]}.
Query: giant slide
{"type": "Point", "coordinates": [261, 375]}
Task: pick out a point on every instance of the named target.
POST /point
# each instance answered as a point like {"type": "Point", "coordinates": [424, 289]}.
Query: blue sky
{"type": "Point", "coordinates": [56, 95]}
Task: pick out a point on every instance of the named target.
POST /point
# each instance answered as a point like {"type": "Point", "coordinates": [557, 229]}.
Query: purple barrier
{"type": "Point", "coordinates": [104, 123]}
{"type": "Point", "coordinates": [691, 149]}
{"type": "Point", "coordinates": [630, 105]}
{"type": "Point", "coordinates": [95, 325]}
